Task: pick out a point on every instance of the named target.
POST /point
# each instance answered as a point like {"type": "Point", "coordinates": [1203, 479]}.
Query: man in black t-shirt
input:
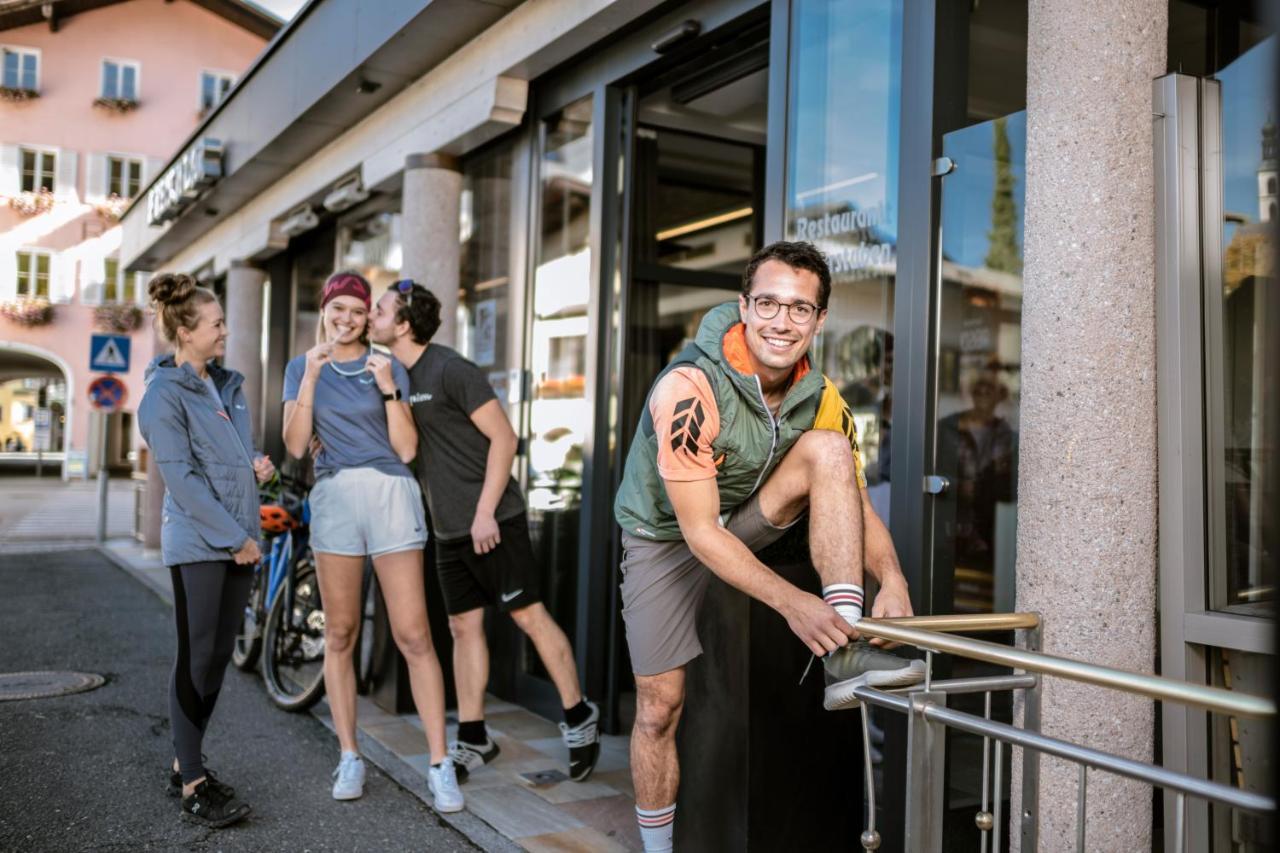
{"type": "Point", "coordinates": [483, 555]}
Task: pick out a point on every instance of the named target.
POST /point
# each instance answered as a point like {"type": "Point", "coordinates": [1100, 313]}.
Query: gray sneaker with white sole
{"type": "Point", "coordinates": [861, 664]}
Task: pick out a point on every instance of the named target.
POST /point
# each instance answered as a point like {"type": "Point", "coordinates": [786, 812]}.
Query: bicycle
{"type": "Point", "coordinates": [285, 615]}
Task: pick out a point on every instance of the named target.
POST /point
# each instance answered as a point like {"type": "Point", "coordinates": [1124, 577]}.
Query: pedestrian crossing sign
{"type": "Point", "coordinates": [109, 354]}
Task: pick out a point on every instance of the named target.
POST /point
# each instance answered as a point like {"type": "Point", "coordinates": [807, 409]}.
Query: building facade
{"type": "Point", "coordinates": [580, 181]}
{"type": "Point", "coordinates": [94, 99]}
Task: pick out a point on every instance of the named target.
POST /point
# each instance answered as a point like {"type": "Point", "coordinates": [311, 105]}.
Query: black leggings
{"type": "Point", "coordinates": [208, 604]}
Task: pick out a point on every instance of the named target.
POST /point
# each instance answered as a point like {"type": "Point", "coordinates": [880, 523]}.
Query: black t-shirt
{"type": "Point", "coordinates": [444, 390]}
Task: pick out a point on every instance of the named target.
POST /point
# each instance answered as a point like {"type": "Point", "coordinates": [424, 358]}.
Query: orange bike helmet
{"type": "Point", "coordinates": [274, 519]}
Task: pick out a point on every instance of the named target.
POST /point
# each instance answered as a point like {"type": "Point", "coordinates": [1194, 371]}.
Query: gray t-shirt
{"type": "Point", "coordinates": [350, 417]}
{"type": "Point", "coordinates": [444, 390]}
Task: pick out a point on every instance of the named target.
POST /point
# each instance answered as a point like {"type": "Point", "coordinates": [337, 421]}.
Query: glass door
{"type": "Point", "coordinates": [559, 413]}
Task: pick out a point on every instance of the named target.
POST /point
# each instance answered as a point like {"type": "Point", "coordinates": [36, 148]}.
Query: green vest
{"type": "Point", "coordinates": [751, 440]}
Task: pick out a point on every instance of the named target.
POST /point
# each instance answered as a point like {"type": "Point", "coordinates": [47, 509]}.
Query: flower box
{"type": "Point", "coordinates": [119, 105]}
{"type": "Point", "coordinates": [17, 94]}
{"type": "Point", "coordinates": [112, 208]}
{"type": "Point", "coordinates": [27, 312]}
{"type": "Point", "coordinates": [120, 319]}
{"type": "Point", "coordinates": [32, 203]}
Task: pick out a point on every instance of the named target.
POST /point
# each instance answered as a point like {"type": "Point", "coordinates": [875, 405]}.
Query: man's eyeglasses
{"type": "Point", "coordinates": [405, 288]}
{"type": "Point", "coordinates": [766, 308]}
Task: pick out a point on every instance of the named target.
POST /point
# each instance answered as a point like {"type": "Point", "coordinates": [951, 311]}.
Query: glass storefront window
{"type": "Point", "coordinates": [371, 245]}
{"type": "Point", "coordinates": [842, 191]}
{"type": "Point", "coordinates": [488, 334]}
{"type": "Point", "coordinates": [559, 411]}
{"type": "Point", "coordinates": [1242, 337]}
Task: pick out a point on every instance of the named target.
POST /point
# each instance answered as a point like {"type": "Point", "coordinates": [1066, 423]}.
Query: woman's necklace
{"type": "Point", "coordinates": [358, 371]}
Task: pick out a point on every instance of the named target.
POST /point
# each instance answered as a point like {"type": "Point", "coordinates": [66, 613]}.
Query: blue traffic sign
{"type": "Point", "coordinates": [109, 354]}
{"type": "Point", "coordinates": [107, 393]}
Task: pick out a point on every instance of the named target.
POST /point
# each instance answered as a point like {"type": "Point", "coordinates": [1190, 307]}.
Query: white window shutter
{"type": "Point", "coordinates": [62, 278]}
{"type": "Point", "coordinates": [93, 270]}
{"type": "Point", "coordinates": [95, 178]}
{"type": "Point", "coordinates": [65, 182]}
{"type": "Point", "coordinates": [10, 170]}
{"type": "Point", "coordinates": [8, 275]}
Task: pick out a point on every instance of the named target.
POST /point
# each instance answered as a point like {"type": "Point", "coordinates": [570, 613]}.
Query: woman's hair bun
{"type": "Point", "coordinates": [172, 288]}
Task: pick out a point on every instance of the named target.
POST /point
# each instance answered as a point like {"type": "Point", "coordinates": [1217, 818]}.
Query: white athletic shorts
{"type": "Point", "coordinates": [359, 511]}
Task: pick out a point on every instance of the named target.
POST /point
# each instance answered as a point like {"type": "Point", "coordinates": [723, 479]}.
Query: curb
{"type": "Point", "coordinates": [475, 830]}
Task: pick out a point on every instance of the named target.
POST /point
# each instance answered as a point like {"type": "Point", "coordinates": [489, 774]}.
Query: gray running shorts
{"type": "Point", "coordinates": [663, 585]}
{"type": "Point", "coordinates": [362, 511]}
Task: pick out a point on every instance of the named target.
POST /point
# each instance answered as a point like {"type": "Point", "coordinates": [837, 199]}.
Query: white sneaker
{"type": "Point", "coordinates": [443, 782]}
{"type": "Point", "coordinates": [348, 777]}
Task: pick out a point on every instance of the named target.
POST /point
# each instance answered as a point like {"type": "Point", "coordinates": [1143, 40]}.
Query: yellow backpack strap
{"type": "Point", "coordinates": [834, 414]}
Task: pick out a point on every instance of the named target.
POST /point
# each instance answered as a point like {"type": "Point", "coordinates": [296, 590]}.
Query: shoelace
{"type": "Point", "coordinates": [446, 781]}
{"type": "Point", "coordinates": [346, 767]}
{"type": "Point", "coordinates": [465, 753]}
{"type": "Point", "coordinates": [583, 735]}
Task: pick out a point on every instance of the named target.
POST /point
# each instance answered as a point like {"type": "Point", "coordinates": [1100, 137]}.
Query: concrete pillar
{"type": "Point", "coordinates": [244, 334]}
{"type": "Point", "coordinates": [1087, 459]}
{"type": "Point", "coordinates": [432, 251]}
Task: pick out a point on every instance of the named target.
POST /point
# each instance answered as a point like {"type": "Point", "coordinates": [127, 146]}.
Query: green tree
{"type": "Point", "coordinates": [1003, 252]}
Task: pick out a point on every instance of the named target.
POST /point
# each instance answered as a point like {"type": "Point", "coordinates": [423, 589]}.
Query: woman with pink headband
{"type": "Point", "coordinates": [365, 503]}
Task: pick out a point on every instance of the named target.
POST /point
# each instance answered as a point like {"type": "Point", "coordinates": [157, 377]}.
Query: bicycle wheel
{"type": "Point", "coordinates": [293, 666]}
{"type": "Point", "coordinates": [249, 638]}
{"type": "Point", "coordinates": [367, 646]}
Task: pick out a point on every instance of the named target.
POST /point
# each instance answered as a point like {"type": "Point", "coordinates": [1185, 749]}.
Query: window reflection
{"type": "Point", "coordinates": [485, 330]}
{"type": "Point", "coordinates": [559, 412]}
{"type": "Point", "coordinates": [1245, 308]}
{"type": "Point", "coordinates": [842, 189]}
{"type": "Point", "coordinates": [371, 245]}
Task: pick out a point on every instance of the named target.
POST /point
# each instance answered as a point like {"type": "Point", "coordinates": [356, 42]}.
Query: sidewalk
{"type": "Point", "coordinates": [508, 807]}
{"type": "Point", "coordinates": [45, 513]}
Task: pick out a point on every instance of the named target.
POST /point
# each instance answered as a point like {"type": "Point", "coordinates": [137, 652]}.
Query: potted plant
{"type": "Point", "coordinates": [30, 203]}
{"type": "Point", "coordinates": [28, 312]}
{"type": "Point", "coordinates": [112, 208]}
{"type": "Point", "coordinates": [119, 105]}
{"type": "Point", "coordinates": [119, 318]}
{"type": "Point", "coordinates": [17, 93]}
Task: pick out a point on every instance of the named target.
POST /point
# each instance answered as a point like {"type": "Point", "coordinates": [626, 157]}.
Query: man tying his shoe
{"type": "Point", "coordinates": [739, 440]}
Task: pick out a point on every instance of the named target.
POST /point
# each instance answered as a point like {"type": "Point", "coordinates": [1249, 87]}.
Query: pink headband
{"type": "Point", "coordinates": [345, 284]}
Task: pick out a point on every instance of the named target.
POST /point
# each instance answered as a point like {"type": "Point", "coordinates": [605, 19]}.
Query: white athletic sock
{"type": "Point", "coordinates": [655, 828]}
{"type": "Point", "coordinates": [846, 598]}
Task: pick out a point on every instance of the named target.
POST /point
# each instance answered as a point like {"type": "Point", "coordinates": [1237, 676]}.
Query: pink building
{"type": "Point", "coordinates": [94, 99]}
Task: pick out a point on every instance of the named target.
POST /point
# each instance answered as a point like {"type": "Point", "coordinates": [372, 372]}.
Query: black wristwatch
{"type": "Point", "coordinates": [387, 398]}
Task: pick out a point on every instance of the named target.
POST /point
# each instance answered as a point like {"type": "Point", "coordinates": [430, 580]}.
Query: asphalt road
{"type": "Point", "coordinates": [88, 771]}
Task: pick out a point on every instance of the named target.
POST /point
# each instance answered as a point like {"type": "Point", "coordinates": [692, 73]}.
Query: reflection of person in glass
{"type": "Point", "coordinates": [977, 452]}
{"type": "Point", "coordinates": [865, 358]}
{"type": "Point", "coordinates": [741, 439]}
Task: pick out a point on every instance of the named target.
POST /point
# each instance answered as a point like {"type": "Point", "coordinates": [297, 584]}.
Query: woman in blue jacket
{"type": "Point", "coordinates": [194, 418]}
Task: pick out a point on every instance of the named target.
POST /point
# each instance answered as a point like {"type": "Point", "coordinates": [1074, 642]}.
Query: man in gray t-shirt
{"type": "Point", "coordinates": [466, 448]}
{"type": "Point", "coordinates": [445, 392]}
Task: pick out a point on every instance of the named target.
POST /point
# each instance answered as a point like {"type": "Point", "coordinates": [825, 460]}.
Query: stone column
{"type": "Point", "coordinates": [244, 334]}
{"type": "Point", "coordinates": [432, 251]}
{"type": "Point", "coordinates": [1087, 461]}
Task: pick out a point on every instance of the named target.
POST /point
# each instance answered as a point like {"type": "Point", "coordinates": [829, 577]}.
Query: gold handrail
{"type": "Point", "coordinates": [1153, 686]}
{"type": "Point", "coordinates": [969, 622]}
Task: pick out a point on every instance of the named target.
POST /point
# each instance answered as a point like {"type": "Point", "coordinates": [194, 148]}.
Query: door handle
{"type": "Point", "coordinates": [935, 484]}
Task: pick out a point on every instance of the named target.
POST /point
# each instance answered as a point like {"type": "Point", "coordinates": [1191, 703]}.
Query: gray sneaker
{"type": "Point", "coordinates": [861, 664]}
{"type": "Point", "coordinates": [443, 783]}
{"type": "Point", "coordinates": [348, 778]}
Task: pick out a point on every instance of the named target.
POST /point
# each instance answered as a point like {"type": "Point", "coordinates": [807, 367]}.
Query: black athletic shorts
{"type": "Point", "coordinates": [506, 577]}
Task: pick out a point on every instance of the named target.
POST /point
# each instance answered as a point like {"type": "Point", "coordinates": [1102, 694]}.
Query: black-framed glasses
{"type": "Point", "coordinates": [405, 288]}
{"type": "Point", "coordinates": [766, 308]}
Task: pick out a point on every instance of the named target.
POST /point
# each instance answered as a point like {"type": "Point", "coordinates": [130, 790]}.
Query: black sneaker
{"type": "Point", "coordinates": [583, 741]}
{"type": "Point", "coordinates": [208, 807]}
{"type": "Point", "coordinates": [175, 784]}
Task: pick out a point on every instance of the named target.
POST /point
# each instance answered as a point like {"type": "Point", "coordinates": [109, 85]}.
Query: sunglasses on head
{"type": "Point", "coordinates": [405, 288]}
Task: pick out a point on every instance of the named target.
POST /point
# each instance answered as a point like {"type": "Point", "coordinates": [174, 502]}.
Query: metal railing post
{"type": "Point", "coordinates": [926, 775]}
{"type": "Point", "coordinates": [1032, 641]}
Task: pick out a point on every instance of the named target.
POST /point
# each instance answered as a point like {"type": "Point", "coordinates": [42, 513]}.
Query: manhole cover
{"type": "Point", "coordinates": [42, 685]}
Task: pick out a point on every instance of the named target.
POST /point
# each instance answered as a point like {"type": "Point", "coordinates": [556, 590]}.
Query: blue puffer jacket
{"type": "Point", "coordinates": [206, 459]}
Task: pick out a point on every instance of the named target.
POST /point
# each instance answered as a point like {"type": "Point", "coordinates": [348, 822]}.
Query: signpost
{"type": "Point", "coordinates": [107, 354]}
{"type": "Point", "coordinates": [44, 428]}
